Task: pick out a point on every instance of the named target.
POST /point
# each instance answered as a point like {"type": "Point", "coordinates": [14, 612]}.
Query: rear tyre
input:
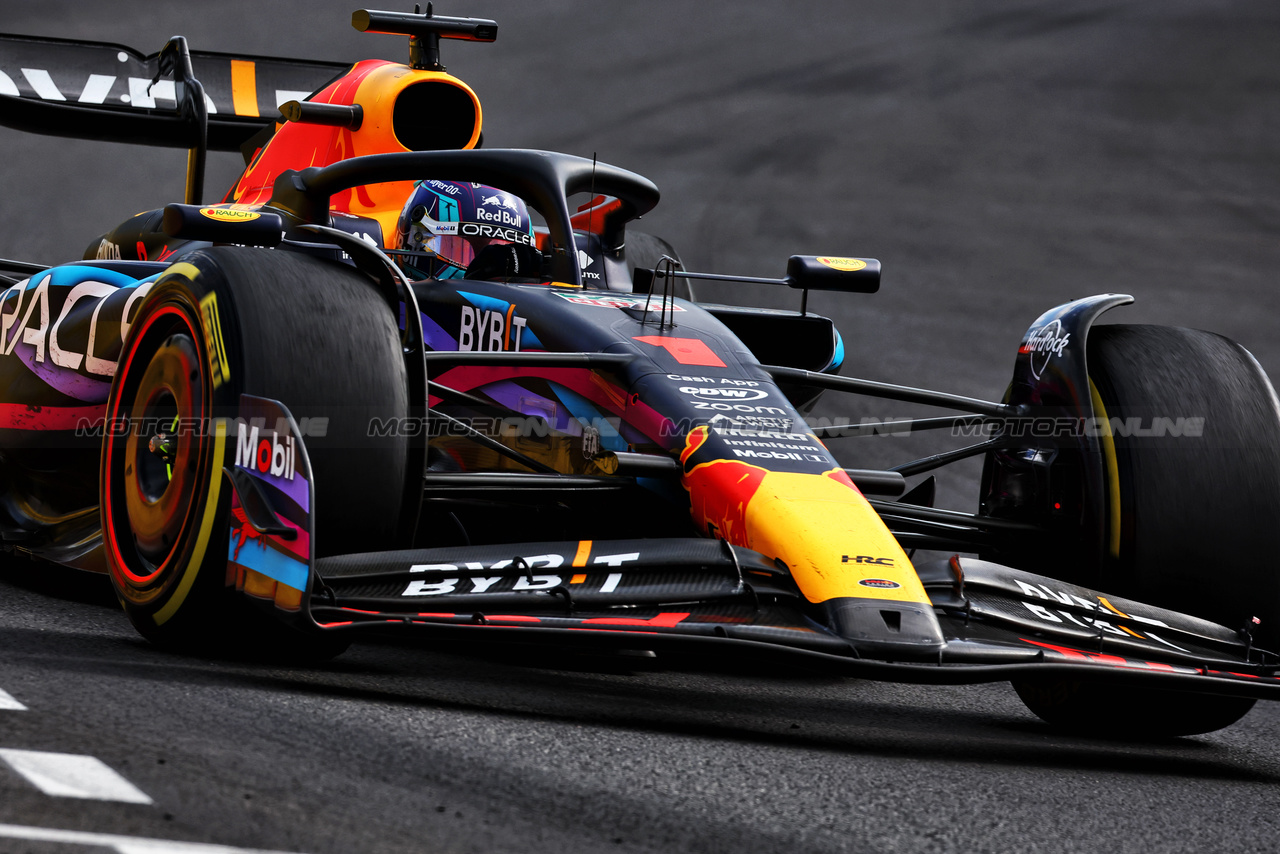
{"type": "Point", "coordinates": [644, 251]}
{"type": "Point", "coordinates": [314, 336]}
{"type": "Point", "coordinates": [1191, 508]}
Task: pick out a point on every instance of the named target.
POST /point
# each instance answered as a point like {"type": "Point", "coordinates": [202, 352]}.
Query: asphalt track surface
{"type": "Point", "coordinates": [999, 158]}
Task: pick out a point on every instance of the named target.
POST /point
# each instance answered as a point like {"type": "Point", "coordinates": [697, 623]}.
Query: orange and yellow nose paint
{"type": "Point", "coordinates": [818, 524]}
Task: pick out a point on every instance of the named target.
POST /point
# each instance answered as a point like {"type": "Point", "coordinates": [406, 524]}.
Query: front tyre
{"type": "Point", "coordinates": [315, 336]}
{"type": "Point", "coordinates": [1193, 481]}
{"type": "Point", "coordinates": [1193, 469]}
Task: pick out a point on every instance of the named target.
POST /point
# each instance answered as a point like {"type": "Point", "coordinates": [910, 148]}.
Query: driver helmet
{"type": "Point", "coordinates": [445, 224]}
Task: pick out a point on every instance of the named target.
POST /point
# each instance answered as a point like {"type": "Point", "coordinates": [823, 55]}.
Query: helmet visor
{"type": "Point", "coordinates": [458, 250]}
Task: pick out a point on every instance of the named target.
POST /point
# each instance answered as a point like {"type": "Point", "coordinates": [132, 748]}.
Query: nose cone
{"type": "Point", "coordinates": [844, 560]}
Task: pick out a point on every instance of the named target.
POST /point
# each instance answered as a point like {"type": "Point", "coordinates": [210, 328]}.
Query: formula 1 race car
{"type": "Point", "coordinates": [393, 380]}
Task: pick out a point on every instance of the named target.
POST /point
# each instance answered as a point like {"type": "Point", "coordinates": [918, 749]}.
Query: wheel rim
{"type": "Point", "coordinates": [153, 483]}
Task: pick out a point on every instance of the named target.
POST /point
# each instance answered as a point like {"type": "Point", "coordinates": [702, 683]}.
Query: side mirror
{"type": "Point", "coordinates": [222, 225]}
{"type": "Point", "coordinates": [827, 273]}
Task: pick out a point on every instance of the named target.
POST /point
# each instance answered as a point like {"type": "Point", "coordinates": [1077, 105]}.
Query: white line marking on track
{"type": "Point", "coordinates": [8, 703]}
{"type": "Point", "coordinates": [66, 775]}
{"type": "Point", "coordinates": [121, 844]}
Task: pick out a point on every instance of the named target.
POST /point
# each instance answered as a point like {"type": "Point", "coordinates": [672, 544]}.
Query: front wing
{"type": "Point", "coordinates": [681, 595]}
{"type": "Point", "coordinates": [672, 595]}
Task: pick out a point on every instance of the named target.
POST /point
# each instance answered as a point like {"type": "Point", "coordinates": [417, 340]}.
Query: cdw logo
{"type": "Point", "coordinates": [716, 393]}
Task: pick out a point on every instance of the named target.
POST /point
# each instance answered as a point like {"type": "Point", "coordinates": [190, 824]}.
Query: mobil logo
{"type": "Point", "coordinates": [265, 451]}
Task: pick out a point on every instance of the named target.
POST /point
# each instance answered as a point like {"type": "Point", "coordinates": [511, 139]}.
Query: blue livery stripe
{"type": "Point", "coordinates": [260, 557]}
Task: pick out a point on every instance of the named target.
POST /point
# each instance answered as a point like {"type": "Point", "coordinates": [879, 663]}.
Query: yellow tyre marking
{"type": "Point", "coordinates": [218, 367]}
{"type": "Point", "coordinates": [182, 268]}
{"type": "Point", "coordinates": [1112, 470]}
{"type": "Point", "coordinates": [244, 87]}
{"type": "Point", "coordinates": [206, 528]}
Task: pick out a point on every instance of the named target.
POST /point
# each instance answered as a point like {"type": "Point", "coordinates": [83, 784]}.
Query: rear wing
{"type": "Point", "coordinates": [96, 90]}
